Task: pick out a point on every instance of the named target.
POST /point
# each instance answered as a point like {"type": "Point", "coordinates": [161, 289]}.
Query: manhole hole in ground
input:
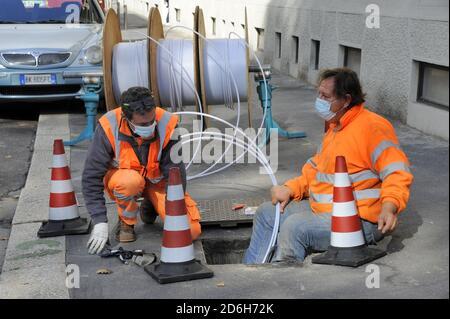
{"type": "Point", "coordinates": [221, 251]}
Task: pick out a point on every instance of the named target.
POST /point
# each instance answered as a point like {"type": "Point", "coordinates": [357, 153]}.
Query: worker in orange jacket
{"type": "Point", "coordinates": [377, 166]}
{"type": "Point", "coordinates": [130, 157]}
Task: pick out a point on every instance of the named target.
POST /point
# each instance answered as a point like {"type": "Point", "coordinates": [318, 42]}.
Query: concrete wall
{"type": "Point", "coordinates": [411, 31]}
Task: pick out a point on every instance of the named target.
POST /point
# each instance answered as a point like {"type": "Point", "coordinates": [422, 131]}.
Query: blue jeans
{"type": "Point", "coordinates": [301, 232]}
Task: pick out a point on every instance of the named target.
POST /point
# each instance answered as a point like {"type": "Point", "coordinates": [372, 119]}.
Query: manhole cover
{"type": "Point", "coordinates": [220, 211]}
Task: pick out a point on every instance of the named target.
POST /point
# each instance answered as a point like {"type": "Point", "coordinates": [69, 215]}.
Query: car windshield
{"type": "Point", "coordinates": [49, 11]}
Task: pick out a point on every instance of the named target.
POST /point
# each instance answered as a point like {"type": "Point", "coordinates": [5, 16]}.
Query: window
{"type": "Point", "coordinates": [294, 48]}
{"type": "Point", "coordinates": [352, 59]}
{"type": "Point", "coordinates": [213, 20]}
{"type": "Point", "coordinates": [260, 39]}
{"type": "Point", "coordinates": [278, 44]}
{"type": "Point", "coordinates": [315, 54]}
{"type": "Point", "coordinates": [433, 85]}
{"type": "Point", "coordinates": [178, 14]}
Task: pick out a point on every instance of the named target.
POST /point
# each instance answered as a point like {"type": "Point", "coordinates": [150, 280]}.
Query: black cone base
{"type": "Point", "coordinates": [351, 257]}
{"type": "Point", "coordinates": [53, 228]}
{"type": "Point", "coordinates": [165, 273]}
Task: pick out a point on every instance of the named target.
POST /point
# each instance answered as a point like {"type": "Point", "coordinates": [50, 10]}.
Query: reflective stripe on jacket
{"type": "Point", "coordinates": [378, 168]}
{"type": "Point", "coordinates": [125, 145]}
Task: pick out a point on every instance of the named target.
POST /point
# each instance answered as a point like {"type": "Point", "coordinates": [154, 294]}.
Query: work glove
{"type": "Point", "coordinates": [98, 238]}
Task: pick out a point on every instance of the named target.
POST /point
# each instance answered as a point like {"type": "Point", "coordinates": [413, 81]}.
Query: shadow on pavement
{"type": "Point", "coordinates": [409, 224]}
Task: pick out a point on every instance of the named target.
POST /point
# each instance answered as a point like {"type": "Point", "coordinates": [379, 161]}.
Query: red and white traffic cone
{"type": "Point", "coordinates": [64, 218]}
{"type": "Point", "coordinates": [346, 230]}
{"type": "Point", "coordinates": [347, 244]}
{"type": "Point", "coordinates": [178, 261]}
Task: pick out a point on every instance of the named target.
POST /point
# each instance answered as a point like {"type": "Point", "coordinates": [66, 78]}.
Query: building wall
{"type": "Point", "coordinates": [411, 31]}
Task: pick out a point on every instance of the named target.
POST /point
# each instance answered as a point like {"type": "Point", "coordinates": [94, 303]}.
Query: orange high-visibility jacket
{"type": "Point", "coordinates": [378, 168]}
{"type": "Point", "coordinates": [118, 133]}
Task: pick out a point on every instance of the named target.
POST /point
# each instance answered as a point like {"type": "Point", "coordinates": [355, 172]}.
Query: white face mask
{"type": "Point", "coordinates": [144, 131]}
{"type": "Point", "coordinates": [323, 108]}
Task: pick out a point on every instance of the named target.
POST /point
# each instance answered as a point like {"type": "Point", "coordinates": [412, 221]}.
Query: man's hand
{"type": "Point", "coordinates": [387, 221]}
{"type": "Point", "coordinates": [281, 194]}
{"type": "Point", "coordinates": [98, 238]}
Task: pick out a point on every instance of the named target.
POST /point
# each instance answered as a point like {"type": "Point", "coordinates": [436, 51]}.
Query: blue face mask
{"type": "Point", "coordinates": [144, 131]}
{"type": "Point", "coordinates": [323, 108]}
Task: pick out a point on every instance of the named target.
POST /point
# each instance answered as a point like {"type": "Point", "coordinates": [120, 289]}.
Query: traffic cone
{"type": "Point", "coordinates": [347, 245]}
{"type": "Point", "coordinates": [64, 218]}
{"type": "Point", "coordinates": [177, 262]}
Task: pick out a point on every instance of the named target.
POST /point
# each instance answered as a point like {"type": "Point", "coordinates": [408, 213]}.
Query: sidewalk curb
{"type": "Point", "coordinates": [33, 267]}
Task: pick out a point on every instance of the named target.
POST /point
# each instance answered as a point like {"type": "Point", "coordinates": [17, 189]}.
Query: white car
{"type": "Point", "coordinates": [49, 48]}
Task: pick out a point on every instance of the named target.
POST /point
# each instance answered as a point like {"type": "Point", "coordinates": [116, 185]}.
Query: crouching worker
{"type": "Point", "coordinates": [377, 167]}
{"type": "Point", "coordinates": [130, 157]}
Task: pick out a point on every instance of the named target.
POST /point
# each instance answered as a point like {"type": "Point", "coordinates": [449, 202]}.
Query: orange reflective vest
{"type": "Point", "coordinates": [116, 128]}
{"type": "Point", "coordinates": [378, 168]}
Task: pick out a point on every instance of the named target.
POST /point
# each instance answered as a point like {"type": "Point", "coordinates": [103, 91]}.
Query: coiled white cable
{"type": "Point", "coordinates": [190, 84]}
{"type": "Point", "coordinates": [275, 232]}
{"type": "Point", "coordinates": [251, 147]}
{"type": "Point", "coordinates": [205, 173]}
{"type": "Point", "coordinates": [273, 239]}
{"type": "Point", "coordinates": [276, 225]}
{"type": "Point", "coordinates": [213, 53]}
{"type": "Point", "coordinates": [133, 73]}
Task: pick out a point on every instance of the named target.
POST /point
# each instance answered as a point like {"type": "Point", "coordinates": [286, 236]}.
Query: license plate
{"type": "Point", "coordinates": [37, 79]}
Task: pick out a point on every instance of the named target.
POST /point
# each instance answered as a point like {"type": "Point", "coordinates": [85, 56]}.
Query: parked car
{"type": "Point", "coordinates": [49, 48]}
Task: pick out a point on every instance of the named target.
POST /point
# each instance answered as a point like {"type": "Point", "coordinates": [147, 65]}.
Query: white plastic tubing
{"type": "Point", "coordinates": [134, 73]}
{"type": "Point", "coordinates": [180, 89]}
{"type": "Point", "coordinates": [173, 85]}
{"type": "Point", "coordinates": [221, 57]}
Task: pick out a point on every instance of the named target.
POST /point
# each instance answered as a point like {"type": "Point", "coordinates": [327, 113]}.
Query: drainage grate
{"type": "Point", "coordinates": [221, 252]}
{"type": "Point", "coordinates": [220, 212]}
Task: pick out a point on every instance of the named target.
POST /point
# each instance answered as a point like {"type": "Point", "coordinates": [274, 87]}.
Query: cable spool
{"type": "Point", "coordinates": [174, 79]}
{"type": "Point", "coordinates": [134, 72]}
{"type": "Point", "coordinates": [199, 28]}
{"type": "Point", "coordinates": [111, 36]}
{"type": "Point", "coordinates": [222, 56]}
{"type": "Point", "coordinates": [143, 63]}
{"type": "Point", "coordinates": [155, 31]}
{"type": "Point", "coordinates": [125, 64]}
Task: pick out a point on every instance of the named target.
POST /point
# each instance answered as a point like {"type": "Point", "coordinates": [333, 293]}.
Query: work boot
{"type": "Point", "coordinates": [147, 212]}
{"type": "Point", "coordinates": [125, 233]}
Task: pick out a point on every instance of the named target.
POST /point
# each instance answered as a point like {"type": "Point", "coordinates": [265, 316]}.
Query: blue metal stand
{"type": "Point", "coordinates": [264, 90]}
{"type": "Point", "coordinates": [91, 99]}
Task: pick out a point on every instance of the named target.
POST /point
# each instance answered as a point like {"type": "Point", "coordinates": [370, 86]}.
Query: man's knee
{"type": "Point", "coordinates": [196, 229]}
{"type": "Point", "coordinates": [294, 229]}
{"type": "Point", "coordinates": [265, 213]}
{"type": "Point", "coordinates": [127, 182]}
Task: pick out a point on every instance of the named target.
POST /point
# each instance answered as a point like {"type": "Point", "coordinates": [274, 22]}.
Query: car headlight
{"type": "Point", "coordinates": [94, 54]}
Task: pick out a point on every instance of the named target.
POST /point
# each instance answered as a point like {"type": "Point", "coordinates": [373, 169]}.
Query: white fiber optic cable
{"type": "Point", "coordinates": [249, 149]}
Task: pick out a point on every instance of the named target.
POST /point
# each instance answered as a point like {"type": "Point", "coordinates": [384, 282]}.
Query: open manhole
{"type": "Point", "coordinates": [222, 251]}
